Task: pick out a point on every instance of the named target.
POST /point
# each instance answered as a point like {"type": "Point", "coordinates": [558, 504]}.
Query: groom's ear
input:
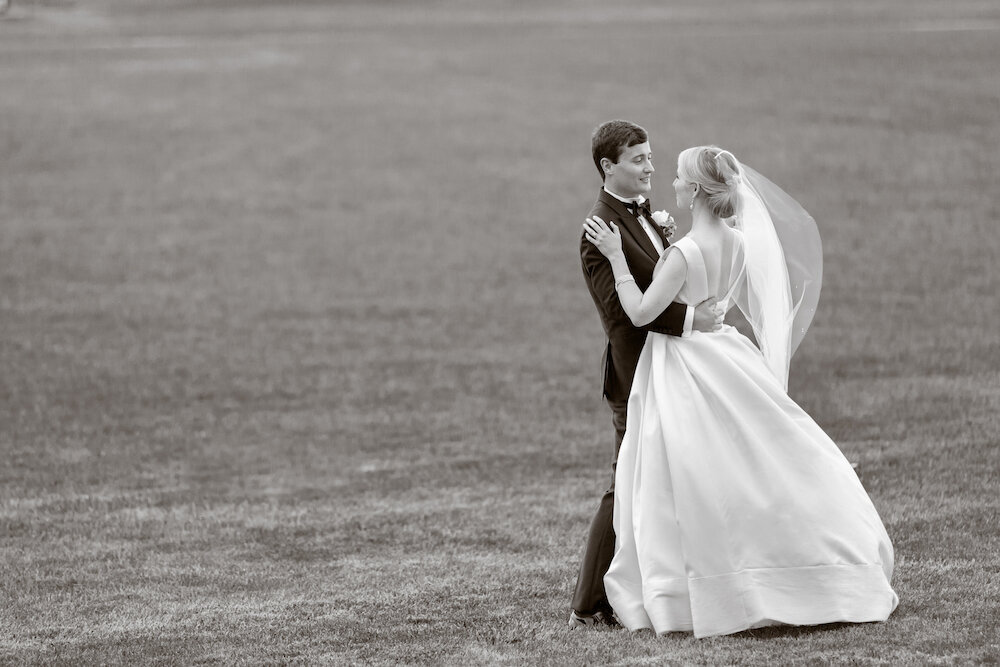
{"type": "Point", "coordinates": [607, 165]}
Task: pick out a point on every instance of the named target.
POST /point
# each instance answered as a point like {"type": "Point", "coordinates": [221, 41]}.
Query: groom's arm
{"type": "Point", "coordinates": [602, 279]}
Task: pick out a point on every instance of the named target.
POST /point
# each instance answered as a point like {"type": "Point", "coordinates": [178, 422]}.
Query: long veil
{"type": "Point", "coordinates": [783, 263]}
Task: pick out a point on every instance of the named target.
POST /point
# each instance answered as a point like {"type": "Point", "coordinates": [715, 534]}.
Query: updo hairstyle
{"type": "Point", "coordinates": [717, 174]}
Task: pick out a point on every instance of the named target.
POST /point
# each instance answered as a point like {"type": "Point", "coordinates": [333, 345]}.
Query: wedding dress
{"type": "Point", "coordinates": [733, 509]}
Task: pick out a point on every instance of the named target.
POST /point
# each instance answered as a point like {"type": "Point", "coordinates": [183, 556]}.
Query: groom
{"type": "Point", "coordinates": [623, 158]}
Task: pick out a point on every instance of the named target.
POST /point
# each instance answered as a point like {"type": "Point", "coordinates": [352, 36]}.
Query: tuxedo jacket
{"type": "Point", "coordinates": [625, 341]}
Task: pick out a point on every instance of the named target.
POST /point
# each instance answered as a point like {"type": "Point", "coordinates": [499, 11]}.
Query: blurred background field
{"type": "Point", "coordinates": [298, 364]}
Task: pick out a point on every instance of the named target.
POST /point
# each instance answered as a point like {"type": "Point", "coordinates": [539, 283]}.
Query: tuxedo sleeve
{"type": "Point", "coordinates": [602, 280]}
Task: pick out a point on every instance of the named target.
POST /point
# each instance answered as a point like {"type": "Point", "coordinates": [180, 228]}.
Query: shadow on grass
{"type": "Point", "coordinates": [760, 634]}
{"type": "Point", "coordinates": [778, 631]}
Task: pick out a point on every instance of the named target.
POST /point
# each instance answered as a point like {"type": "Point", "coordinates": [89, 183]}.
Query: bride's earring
{"type": "Point", "coordinates": [693, 193]}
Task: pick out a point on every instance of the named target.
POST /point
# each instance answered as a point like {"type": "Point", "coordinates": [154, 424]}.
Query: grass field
{"type": "Point", "coordinates": [298, 364]}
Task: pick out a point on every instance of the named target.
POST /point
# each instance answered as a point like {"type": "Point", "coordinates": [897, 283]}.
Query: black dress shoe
{"type": "Point", "coordinates": [597, 619]}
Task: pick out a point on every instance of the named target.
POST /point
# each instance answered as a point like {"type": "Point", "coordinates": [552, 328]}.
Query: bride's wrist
{"type": "Point", "coordinates": [618, 263]}
{"type": "Point", "coordinates": [621, 280]}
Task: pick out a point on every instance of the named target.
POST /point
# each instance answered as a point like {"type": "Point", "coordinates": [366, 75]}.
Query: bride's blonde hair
{"type": "Point", "coordinates": [717, 173]}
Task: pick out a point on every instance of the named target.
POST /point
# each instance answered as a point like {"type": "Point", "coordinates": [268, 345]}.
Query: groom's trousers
{"type": "Point", "coordinates": [590, 596]}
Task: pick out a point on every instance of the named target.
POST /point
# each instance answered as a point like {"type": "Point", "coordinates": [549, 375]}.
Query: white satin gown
{"type": "Point", "coordinates": [733, 509]}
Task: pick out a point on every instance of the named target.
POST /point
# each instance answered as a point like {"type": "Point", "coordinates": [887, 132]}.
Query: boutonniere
{"type": "Point", "coordinates": [666, 223]}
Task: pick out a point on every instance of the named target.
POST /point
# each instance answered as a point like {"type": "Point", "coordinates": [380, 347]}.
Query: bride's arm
{"type": "Point", "coordinates": [641, 308]}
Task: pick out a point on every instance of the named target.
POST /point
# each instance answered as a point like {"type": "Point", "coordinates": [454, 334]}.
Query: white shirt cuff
{"type": "Point", "coordinates": [688, 322]}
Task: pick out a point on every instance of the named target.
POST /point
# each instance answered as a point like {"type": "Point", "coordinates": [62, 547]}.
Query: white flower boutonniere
{"type": "Point", "coordinates": [666, 221]}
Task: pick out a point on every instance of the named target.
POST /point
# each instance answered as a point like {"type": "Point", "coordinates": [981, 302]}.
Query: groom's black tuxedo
{"type": "Point", "coordinates": [625, 342]}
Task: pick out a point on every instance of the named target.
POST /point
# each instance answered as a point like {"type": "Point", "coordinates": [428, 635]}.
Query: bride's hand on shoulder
{"type": "Point", "coordinates": [604, 235]}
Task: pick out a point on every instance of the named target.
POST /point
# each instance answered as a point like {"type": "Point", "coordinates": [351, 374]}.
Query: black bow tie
{"type": "Point", "coordinates": [638, 209]}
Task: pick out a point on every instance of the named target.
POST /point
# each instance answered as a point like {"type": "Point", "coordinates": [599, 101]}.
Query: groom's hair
{"type": "Point", "coordinates": [611, 138]}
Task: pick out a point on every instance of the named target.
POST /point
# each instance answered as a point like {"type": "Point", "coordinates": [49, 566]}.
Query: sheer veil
{"type": "Point", "coordinates": [783, 269]}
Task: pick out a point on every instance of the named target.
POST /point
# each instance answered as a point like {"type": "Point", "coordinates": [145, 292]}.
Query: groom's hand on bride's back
{"type": "Point", "coordinates": [707, 316]}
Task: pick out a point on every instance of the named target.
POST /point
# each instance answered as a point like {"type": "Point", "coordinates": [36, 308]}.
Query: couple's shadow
{"type": "Point", "coordinates": [777, 631]}
{"type": "Point", "coordinates": [767, 633]}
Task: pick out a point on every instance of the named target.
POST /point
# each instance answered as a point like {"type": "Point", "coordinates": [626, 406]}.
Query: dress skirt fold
{"type": "Point", "coordinates": [733, 509]}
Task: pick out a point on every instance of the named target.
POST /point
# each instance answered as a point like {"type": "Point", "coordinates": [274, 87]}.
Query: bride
{"type": "Point", "coordinates": [733, 509]}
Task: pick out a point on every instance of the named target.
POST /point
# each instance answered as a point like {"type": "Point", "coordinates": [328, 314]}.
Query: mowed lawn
{"type": "Point", "coordinates": [297, 364]}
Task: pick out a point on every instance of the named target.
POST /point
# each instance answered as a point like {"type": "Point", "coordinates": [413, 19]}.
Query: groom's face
{"type": "Point", "coordinates": [630, 176]}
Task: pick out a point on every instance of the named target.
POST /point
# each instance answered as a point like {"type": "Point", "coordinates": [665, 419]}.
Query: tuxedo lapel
{"type": "Point", "coordinates": [630, 224]}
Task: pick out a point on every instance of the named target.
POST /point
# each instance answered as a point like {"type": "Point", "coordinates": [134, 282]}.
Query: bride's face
{"type": "Point", "coordinates": [684, 191]}
{"type": "Point", "coordinates": [630, 176]}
